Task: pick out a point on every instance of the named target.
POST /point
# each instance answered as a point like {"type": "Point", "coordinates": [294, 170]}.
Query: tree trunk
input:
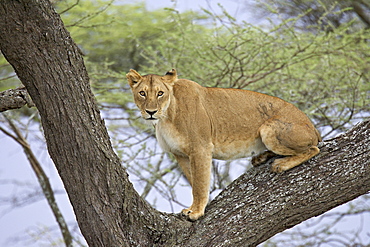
{"type": "Point", "coordinates": [42, 53]}
{"type": "Point", "coordinates": [109, 211]}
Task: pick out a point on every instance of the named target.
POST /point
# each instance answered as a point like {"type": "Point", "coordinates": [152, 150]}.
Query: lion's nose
{"type": "Point", "coordinates": [151, 113]}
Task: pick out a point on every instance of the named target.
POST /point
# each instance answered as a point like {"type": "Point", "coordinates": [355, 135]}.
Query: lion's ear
{"type": "Point", "coordinates": [170, 76]}
{"type": "Point", "coordinates": [133, 77]}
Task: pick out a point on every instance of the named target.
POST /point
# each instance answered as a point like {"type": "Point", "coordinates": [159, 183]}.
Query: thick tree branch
{"type": "Point", "coordinates": [260, 204]}
{"type": "Point", "coordinates": [14, 99]}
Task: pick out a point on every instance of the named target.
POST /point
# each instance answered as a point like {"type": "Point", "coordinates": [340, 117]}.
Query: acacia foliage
{"type": "Point", "coordinates": [324, 15]}
{"type": "Point", "coordinates": [324, 74]}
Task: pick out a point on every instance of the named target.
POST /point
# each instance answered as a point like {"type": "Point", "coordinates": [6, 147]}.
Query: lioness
{"type": "Point", "coordinates": [197, 124]}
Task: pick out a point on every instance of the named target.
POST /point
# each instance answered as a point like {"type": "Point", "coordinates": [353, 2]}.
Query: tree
{"type": "Point", "coordinates": [325, 14]}
{"type": "Point", "coordinates": [109, 211]}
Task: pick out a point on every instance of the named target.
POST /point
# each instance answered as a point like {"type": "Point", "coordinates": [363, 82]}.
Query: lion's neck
{"type": "Point", "coordinates": [171, 110]}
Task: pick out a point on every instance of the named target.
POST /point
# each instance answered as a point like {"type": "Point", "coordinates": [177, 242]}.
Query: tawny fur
{"type": "Point", "coordinates": [197, 124]}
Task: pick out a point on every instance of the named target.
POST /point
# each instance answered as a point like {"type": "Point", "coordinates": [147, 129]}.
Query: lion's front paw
{"type": "Point", "coordinates": [192, 215]}
{"type": "Point", "coordinates": [186, 211]}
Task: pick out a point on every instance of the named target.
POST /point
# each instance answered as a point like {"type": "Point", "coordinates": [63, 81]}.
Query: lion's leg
{"type": "Point", "coordinates": [184, 163]}
{"type": "Point", "coordinates": [201, 174]}
{"type": "Point", "coordinates": [286, 163]}
{"type": "Point", "coordinates": [297, 142]}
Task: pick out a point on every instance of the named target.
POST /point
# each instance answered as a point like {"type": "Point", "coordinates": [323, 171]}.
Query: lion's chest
{"type": "Point", "coordinates": [169, 138]}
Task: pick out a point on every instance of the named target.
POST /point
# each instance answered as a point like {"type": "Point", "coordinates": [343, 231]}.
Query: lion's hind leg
{"type": "Point", "coordinates": [298, 142]}
{"type": "Point", "coordinates": [286, 163]}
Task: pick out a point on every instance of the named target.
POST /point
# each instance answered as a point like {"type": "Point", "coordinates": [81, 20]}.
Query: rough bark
{"type": "Point", "coordinates": [109, 211]}
{"type": "Point", "coordinates": [14, 99]}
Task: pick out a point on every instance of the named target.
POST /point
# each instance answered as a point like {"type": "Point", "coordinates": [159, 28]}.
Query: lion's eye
{"type": "Point", "coordinates": [160, 93]}
{"type": "Point", "coordinates": [142, 93]}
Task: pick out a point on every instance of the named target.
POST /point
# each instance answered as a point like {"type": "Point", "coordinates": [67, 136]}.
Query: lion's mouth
{"type": "Point", "coordinates": [151, 118]}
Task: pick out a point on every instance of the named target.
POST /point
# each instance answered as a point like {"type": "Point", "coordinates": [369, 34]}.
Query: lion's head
{"type": "Point", "coordinates": [152, 92]}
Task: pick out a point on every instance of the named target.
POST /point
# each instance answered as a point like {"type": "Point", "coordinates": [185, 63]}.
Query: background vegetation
{"type": "Point", "coordinates": [314, 54]}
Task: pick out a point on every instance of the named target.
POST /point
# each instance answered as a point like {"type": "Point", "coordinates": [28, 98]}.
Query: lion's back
{"type": "Point", "coordinates": [233, 109]}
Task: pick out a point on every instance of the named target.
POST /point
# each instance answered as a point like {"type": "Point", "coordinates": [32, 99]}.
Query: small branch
{"type": "Point", "coordinates": [90, 16]}
{"type": "Point", "coordinates": [14, 99]}
{"type": "Point", "coordinates": [158, 175]}
{"type": "Point", "coordinates": [42, 178]}
{"type": "Point", "coordinates": [8, 77]}
{"type": "Point", "coordinates": [358, 7]}
{"type": "Point", "coordinates": [70, 7]}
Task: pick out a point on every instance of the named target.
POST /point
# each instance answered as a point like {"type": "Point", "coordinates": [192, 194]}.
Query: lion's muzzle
{"type": "Point", "coordinates": [151, 115]}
